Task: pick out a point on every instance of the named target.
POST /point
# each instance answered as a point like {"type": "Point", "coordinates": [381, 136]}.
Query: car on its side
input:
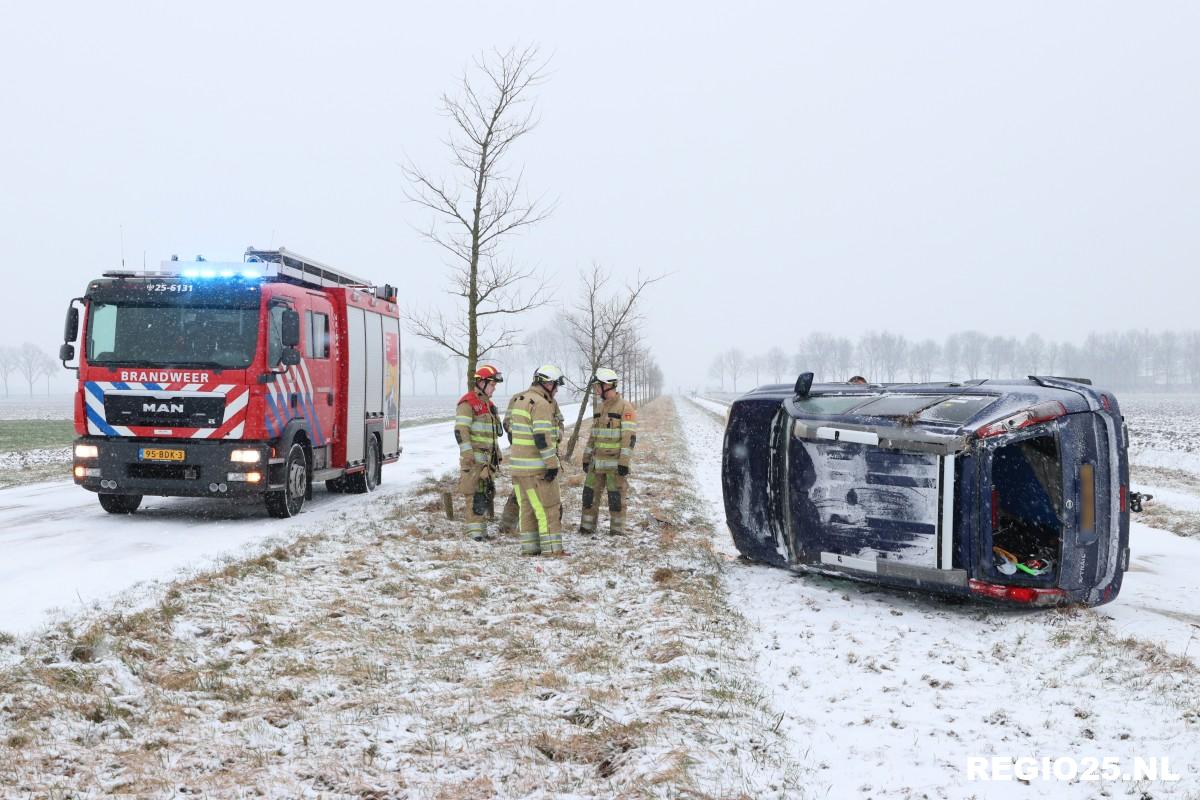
{"type": "Point", "coordinates": [1014, 491]}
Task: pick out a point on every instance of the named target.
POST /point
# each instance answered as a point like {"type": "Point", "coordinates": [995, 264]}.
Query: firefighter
{"type": "Point", "coordinates": [477, 430]}
{"type": "Point", "coordinates": [608, 454]}
{"type": "Point", "coordinates": [509, 517]}
{"type": "Point", "coordinates": [534, 463]}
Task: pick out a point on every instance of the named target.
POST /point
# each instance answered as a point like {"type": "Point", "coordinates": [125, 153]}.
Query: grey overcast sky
{"type": "Point", "coordinates": [918, 166]}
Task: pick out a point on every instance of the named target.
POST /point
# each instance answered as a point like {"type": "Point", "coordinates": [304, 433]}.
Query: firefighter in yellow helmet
{"type": "Point", "coordinates": [534, 462]}
{"type": "Point", "coordinates": [608, 454]}
{"type": "Point", "coordinates": [477, 430]}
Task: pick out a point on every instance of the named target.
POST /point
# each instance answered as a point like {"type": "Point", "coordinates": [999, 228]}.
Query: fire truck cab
{"type": "Point", "coordinates": [207, 379]}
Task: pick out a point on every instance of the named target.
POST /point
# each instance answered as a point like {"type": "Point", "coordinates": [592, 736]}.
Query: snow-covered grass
{"type": "Point", "coordinates": [385, 656]}
{"type": "Point", "coordinates": [883, 694]}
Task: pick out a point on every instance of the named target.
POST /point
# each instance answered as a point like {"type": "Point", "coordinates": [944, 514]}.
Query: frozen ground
{"type": "Point", "coordinates": [887, 695]}
{"type": "Point", "coordinates": [388, 657]}
{"type": "Point", "coordinates": [39, 406]}
{"type": "Point", "coordinates": [61, 550]}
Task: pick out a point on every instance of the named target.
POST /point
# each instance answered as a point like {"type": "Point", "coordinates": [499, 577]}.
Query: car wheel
{"type": "Point", "coordinates": [120, 503]}
{"type": "Point", "coordinates": [368, 480]}
{"type": "Point", "coordinates": [288, 501]}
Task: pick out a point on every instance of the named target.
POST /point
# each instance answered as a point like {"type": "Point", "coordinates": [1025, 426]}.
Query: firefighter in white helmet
{"type": "Point", "coordinates": [534, 462]}
{"type": "Point", "coordinates": [608, 454]}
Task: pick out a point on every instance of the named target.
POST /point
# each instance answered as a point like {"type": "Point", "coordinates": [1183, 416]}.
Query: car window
{"type": "Point", "coordinates": [830, 404]}
{"type": "Point", "coordinates": [957, 409]}
{"type": "Point", "coordinates": [898, 405]}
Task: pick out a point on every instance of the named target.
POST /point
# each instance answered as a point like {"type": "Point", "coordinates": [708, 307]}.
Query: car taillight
{"type": "Point", "coordinates": [1124, 498]}
{"type": "Point", "coordinates": [1104, 401]}
{"type": "Point", "coordinates": [1017, 594]}
{"type": "Point", "coordinates": [1042, 412]}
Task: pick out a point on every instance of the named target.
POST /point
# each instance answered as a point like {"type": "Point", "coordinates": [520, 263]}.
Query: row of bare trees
{"type": "Point", "coordinates": [29, 362]}
{"type": "Point", "coordinates": [1131, 360]}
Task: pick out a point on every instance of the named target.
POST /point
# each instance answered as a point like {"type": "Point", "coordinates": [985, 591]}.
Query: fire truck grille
{"type": "Point", "coordinates": [172, 412]}
{"type": "Point", "coordinates": [164, 472]}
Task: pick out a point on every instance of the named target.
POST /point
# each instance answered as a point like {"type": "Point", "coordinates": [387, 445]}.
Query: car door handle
{"type": "Point", "coordinates": [329, 397]}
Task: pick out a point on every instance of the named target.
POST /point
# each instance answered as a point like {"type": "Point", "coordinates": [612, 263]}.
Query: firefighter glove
{"type": "Point", "coordinates": [551, 474]}
{"type": "Point", "coordinates": [622, 470]}
{"type": "Point", "coordinates": [587, 466]}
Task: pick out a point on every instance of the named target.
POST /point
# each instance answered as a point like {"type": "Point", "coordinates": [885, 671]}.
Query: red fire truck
{"type": "Point", "coordinates": [260, 377]}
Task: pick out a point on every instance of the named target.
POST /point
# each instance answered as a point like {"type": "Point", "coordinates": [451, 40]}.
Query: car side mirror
{"type": "Point", "coordinates": [290, 333]}
{"type": "Point", "coordinates": [803, 384]}
{"type": "Point", "coordinates": [71, 329]}
{"type": "Point", "coordinates": [290, 357]}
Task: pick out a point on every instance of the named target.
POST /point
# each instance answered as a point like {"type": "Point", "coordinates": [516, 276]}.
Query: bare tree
{"type": "Point", "coordinates": [757, 364]}
{"type": "Point", "coordinates": [1033, 349]}
{"type": "Point", "coordinates": [596, 327]}
{"type": "Point", "coordinates": [434, 363]}
{"type": "Point", "coordinates": [10, 358]}
{"type": "Point", "coordinates": [923, 358]}
{"type": "Point", "coordinates": [735, 363]}
{"type": "Point", "coordinates": [475, 211]}
{"type": "Point", "coordinates": [33, 363]}
{"type": "Point", "coordinates": [716, 370]}
{"type": "Point", "coordinates": [411, 359]}
{"type": "Point", "coordinates": [776, 362]}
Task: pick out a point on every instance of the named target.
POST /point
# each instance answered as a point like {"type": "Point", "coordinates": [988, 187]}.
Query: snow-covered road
{"type": "Point", "coordinates": [62, 551]}
{"type": "Point", "coordinates": [886, 695]}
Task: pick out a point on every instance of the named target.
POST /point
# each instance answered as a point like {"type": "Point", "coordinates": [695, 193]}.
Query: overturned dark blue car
{"type": "Point", "coordinates": [1012, 491]}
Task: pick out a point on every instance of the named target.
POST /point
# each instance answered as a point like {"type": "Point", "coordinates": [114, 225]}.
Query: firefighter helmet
{"type": "Point", "coordinates": [606, 375]}
{"type": "Point", "coordinates": [548, 373]}
{"type": "Point", "coordinates": [486, 372]}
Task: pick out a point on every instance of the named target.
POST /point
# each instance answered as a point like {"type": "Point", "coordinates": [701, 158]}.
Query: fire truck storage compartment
{"type": "Point", "coordinates": [1027, 500]}
{"type": "Point", "coordinates": [367, 380]}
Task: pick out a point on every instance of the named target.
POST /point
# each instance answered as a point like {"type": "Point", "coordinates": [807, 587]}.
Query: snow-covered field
{"type": "Point", "coordinates": [363, 650]}
{"type": "Point", "coordinates": [888, 695]}
{"type": "Point", "coordinates": [62, 551]}
{"type": "Point", "coordinates": [38, 406]}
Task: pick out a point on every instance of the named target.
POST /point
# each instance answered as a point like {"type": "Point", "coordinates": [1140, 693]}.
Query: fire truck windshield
{"type": "Point", "coordinates": [130, 334]}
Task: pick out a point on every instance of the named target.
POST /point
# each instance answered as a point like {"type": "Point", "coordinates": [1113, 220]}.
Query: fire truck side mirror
{"type": "Point", "coordinates": [290, 357]}
{"type": "Point", "coordinates": [66, 353]}
{"type": "Point", "coordinates": [290, 334]}
{"type": "Point", "coordinates": [71, 329]}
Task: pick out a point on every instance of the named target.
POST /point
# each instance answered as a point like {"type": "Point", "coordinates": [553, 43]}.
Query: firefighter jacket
{"type": "Point", "coordinates": [534, 420]}
{"type": "Point", "coordinates": [476, 429]}
{"type": "Point", "coordinates": [614, 433]}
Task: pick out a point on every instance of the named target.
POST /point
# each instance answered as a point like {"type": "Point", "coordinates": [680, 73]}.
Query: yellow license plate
{"type": "Point", "coordinates": [159, 454]}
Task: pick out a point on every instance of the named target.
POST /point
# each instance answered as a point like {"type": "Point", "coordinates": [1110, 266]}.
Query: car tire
{"type": "Point", "coordinates": [120, 503]}
{"type": "Point", "coordinates": [288, 501]}
{"type": "Point", "coordinates": [368, 480]}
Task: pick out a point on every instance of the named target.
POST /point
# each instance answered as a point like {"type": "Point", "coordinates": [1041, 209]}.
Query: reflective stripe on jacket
{"type": "Point", "coordinates": [613, 436]}
{"type": "Point", "coordinates": [533, 419]}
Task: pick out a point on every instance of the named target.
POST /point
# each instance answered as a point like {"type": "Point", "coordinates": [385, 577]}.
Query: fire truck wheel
{"type": "Point", "coordinates": [289, 501]}
{"type": "Point", "coordinates": [368, 479]}
{"type": "Point", "coordinates": [120, 503]}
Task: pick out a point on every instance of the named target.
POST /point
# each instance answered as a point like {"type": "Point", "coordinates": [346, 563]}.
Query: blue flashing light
{"type": "Point", "coordinates": [208, 273]}
{"type": "Point", "coordinates": [191, 273]}
{"type": "Point", "coordinates": [228, 273]}
{"type": "Point", "coordinates": [251, 274]}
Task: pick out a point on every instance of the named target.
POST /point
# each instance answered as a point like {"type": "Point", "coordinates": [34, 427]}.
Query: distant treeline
{"type": "Point", "coordinates": [1130, 360]}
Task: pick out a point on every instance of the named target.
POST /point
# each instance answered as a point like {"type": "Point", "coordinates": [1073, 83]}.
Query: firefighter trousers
{"type": "Point", "coordinates": [540, 511]}
{"type": "Point", "coordinates": [615, 486]}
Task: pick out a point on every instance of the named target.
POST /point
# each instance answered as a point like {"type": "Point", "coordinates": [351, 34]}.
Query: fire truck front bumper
{"type": "Point", "coordinates": [174, 467]}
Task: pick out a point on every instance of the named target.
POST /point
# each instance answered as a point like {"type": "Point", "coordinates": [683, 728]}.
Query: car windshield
{"type": "Point", "coordinates": [166, 335]}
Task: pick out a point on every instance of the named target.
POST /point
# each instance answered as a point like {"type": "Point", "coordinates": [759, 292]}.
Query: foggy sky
{"type": "Point", "coordinates": [923, 167]}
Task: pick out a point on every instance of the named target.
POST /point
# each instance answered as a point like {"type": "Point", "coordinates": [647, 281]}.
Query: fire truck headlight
{"type": "Point", "coordinates": [245, 456]}
{"type": "Point", "coordinates": [87, 451]}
